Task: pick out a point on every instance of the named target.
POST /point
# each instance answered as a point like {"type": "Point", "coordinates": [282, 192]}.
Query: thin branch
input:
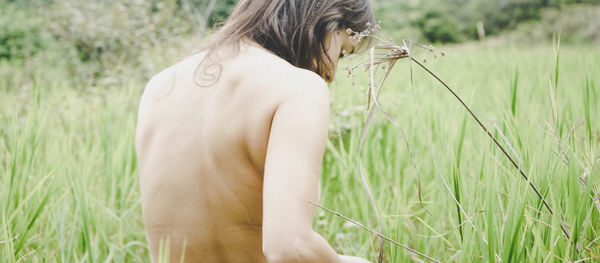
{"type": "Point", "coordinates": [374, 232]}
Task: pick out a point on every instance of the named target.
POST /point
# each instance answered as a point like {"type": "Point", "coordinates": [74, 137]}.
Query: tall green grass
{"type": "Point", "coordinates": [557, 143]}
{"type": "Point", "coordinates": [69, 185]}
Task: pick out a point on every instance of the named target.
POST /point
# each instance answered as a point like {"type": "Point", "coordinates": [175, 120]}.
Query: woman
{"type": "Point", "coordinates": [230, 141]}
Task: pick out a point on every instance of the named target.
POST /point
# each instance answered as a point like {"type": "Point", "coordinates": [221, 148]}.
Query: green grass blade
{"type": "Point", "coordinates": [515, 85]}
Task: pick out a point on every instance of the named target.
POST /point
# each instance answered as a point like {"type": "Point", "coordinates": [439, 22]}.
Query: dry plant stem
{"type": "Point", "coordinates": [374, 232]}
{"type": "Point", "coordinates": [388, 116]}
{"type": "Point", "coordinates": [394, 53]}
{"type": "Point", "coordinates": [364, 180]}
{"type": "Point", "coordinates": [537, 192]}
{"type": "Point", "coordinates": [410, 69]}
{"type": "Point", "coordinates": [408, 50]}
{"type": "Point", "coordinates": [391, 59]}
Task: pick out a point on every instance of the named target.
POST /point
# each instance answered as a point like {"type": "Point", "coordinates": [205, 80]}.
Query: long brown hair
{"type": "Point", "coordinates": [294, 30]}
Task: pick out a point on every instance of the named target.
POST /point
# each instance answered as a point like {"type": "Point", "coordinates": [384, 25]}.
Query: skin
{"type": "Point", "coordinates": [226, 171]}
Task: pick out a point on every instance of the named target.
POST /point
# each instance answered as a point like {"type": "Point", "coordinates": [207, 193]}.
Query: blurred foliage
{"type": "Point", "coordinates": [21, 33]}
{"type": "Point", "coordinates": [576, 24]}
{"type": "Point", "coordinates": [456, 20]}
{"type": "Point", "coordinates": [119, 31]}
{"type": "Point", "coordinates": [221, 11]}
{"type": "Point", "coordinates": [98, 40]}
{"type": "Point", "coordinates": [436, 25]}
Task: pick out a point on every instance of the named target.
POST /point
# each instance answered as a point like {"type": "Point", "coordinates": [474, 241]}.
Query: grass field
{"type": "Point", "coordinates": [69, 185]}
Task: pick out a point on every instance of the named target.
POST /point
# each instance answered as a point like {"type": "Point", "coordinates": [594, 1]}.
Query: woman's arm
{"type": "Point", "coordinates": [292, 168]}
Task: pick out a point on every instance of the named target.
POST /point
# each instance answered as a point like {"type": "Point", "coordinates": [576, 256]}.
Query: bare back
{"type": "Point", "coordinates": [201, 154]}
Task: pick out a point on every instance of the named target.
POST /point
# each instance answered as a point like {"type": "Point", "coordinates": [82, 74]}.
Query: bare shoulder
{"type": "Point", "coordinates": [282, 79]}
{"type": "Point", "coordinates": [305, 83]}
{"type": "Point", "coordinates": [155, 87]}
{"type": "Point", "coordinates": [161, 78]}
